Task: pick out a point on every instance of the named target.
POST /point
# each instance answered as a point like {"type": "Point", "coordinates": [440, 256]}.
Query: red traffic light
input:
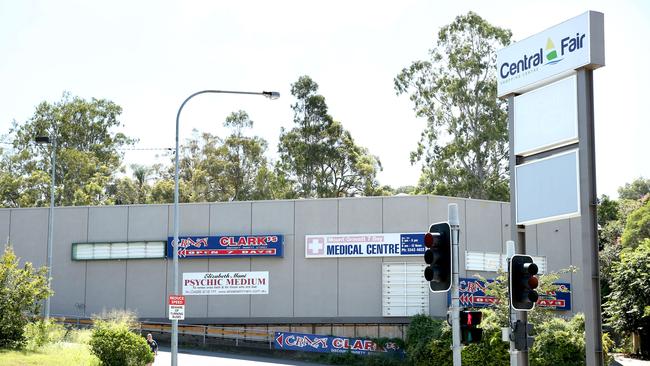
{"type": "Point", "coordinates": [431, 240]}
{"type": "Point", "coordinates": [533, 282]}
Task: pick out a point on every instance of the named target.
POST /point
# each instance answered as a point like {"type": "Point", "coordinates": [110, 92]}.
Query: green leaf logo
{"type": "Point", "coordinates": [551, 53]}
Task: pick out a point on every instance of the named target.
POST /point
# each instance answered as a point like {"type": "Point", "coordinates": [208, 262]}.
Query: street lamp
{"type": "Point", "coordinates": [270, 95]}
{"type": "Point", "coordinates": [50, 223]}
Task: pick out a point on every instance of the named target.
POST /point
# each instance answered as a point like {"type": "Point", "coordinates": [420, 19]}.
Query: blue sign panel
{"type": "Point", "coordinates": [472, 294]}
{"type": "Point", "coordinates": [412, 244]}
{"type": "Point", "coordinates": [227, 246]}
{"type": "Point", "coordinates": [327, 344]}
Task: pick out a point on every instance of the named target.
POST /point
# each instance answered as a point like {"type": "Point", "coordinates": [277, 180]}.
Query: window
{"type": "Point", "coordinates": [405, 292]}
{"type": "Point", "coordinates": [118, 250]}
{"type": "Point", "coordinates": [492, 262]}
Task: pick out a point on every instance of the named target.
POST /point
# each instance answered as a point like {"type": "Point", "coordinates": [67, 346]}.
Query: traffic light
{"type": "Point", "coordinates": [523, 282]}
{"type": "Point", "coordinates": [469, 321]}
{"type": "Point", "coordinates": [438, 257]}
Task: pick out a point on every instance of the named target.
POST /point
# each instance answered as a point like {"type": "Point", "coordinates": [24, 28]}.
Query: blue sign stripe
{"type": "Point", "coordinates": [329, 344]}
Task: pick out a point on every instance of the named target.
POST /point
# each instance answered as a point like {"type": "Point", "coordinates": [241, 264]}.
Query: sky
{"type": "Point", "coordinates": [148, 56]}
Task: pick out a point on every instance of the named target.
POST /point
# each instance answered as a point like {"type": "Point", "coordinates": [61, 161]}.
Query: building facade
{"type": "Point", "coordinates": [350, 290]}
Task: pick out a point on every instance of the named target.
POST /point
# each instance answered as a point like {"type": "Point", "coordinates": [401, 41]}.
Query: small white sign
{"type": "Point", "coordinates": [226, 283]}
{"type": "Point", "coordinates": [176, 307]}
{"type": "Point", "coordinates": [551, 54]}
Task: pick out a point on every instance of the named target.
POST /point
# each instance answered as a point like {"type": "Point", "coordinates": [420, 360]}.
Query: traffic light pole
{"type": "Point", "coordinates": [454, 223]}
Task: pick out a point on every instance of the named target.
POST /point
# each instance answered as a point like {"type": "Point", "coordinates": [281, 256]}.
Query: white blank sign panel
{"type": "Point", "coordinates": [546, 117]}
{"type": "Point", "coordinates": [548, 189]}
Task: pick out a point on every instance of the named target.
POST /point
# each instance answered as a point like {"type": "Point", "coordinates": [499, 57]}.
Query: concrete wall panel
{"type": "Point", "coordinates": [577, 279]}
{"type": "Point", "coordinates": [232, 218]}
{"type": "Point", "coordinates": [195, 305]}
{"type": "Point", "coordinates": [278, 303]}
{"type": "Point", "coordinates": [405, 214]}
{"type": "Point", "coordinates": [148, 222]}
{"type": "Point", "coordinates": [68, 276]}
{"type": "Point", "coordinates": [5, 215]}
{"type": "Point", "coordinates": [105, 286]}
{"type": "Point", "coordinates": [29, 235]}
{"type": "Point", "coordinates": [316, 279]}
{"type": "Point", "coordinates": [483, 226]}
{"type": "Point", "coordinates": [554, 243]}
{"type": "Point", "coordinates": [194, 219]}
{"type": "Point", "coordinates": [505, 225]}
{"type": "Point", "coordinates": [107, 223]}
{"type": "Point", "coordinates": [360, 216]}
{"type": "Point", "coordinates": [273, 217]}
{"type": "Point", "coordinates": [146, 280]}
{"type": "Point", "coordinates": [230, 305]}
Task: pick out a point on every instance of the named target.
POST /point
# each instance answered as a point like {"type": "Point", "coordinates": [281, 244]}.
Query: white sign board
{"type": "Point", "coordinates": [364, 245]}
{"type": "Point", "coordinates": [551, 54]}
{"type": "Point", "coordinates": [176, 307]}
{"type": "Point", "coordinates": [546, 117]}
{"type": "Point", "coordinates": [548, 189]}
{"type": "Point", "coordinates": [226, 283]}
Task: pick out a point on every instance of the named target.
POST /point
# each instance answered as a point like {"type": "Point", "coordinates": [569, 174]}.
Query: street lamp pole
{"type": "Point", "coordinates": [270, 95]}
{"type": "Point", "coordinates": [50, 223]}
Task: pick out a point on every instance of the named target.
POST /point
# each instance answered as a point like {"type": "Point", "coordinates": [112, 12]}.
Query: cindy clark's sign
{"type": "Point", "coordinates": [551, 54]}
{"type": "Point", "coordinates": [227, 246]}
{"type": "Point", "coordinates": [364, 245]}
{"type": "Point", "coordinates": [226, 283]}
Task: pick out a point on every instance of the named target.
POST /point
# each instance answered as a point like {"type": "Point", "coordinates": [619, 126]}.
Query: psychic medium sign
{"type": "Point", "coordinates": [226, 283]}
{"type": "Point", "coordinates": [227, 246]}
{"type": "Point", "coordinates": [364, 245]}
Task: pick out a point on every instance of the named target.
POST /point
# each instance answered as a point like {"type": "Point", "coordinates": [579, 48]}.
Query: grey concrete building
{"type": "Point", "coordinates": [301, 290]}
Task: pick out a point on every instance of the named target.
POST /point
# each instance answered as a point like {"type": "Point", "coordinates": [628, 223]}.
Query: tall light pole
{"type": "Point", "coordinates": [270, 95]}
{"type": "Point", "coordinates": [50, 223]}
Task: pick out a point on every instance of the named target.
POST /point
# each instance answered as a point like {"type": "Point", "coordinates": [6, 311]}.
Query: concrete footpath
{"type": "Point", "coordinates": [620, 360]}
{"type": "Point", "coordinates": [205, 358]}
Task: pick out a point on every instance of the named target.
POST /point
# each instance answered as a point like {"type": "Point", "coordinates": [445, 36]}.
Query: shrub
{"type": "Point", "coordinates": [43, 332]}
{"type": "Point", "coordinates": [427, 340]}
{"type": "Point", "coordinates": [21, 293]}
{"type": "Point", "coordinates": [114, 343]}
{"type": "Point", "coordinates": [491, 351]}
{"type": "Point", "coordinates": [559, 342]}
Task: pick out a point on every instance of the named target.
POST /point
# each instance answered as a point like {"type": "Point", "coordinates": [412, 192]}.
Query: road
{"type": "Point", "coordinates": [204, 358]}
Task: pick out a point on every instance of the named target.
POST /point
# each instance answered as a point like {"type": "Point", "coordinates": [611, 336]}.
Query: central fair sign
{"type": "Point", "coordinates": [364, 245]}
{"type": "Point", "coordinates": [226, 283]}
{"type": "Point", "coordinates": [551, 54]}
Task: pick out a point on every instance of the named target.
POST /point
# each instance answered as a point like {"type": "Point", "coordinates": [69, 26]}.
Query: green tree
{"type": "Point", "coordinates": [87, 153]}
{"type": "Point", "coordinates": [318, 156]}
{"type": "Point", "coordinates": [464, 147]}
{"type": "Point", "coordinates": [21, 293]}
{"type": "Point", "coordinates": [247, 169]}
{"type": "Point", "coordinates": [637, 227]}
{"type": "Point", "coordinates": [499, 290]}
{"type": "Point", "coordinates": [628, 305]}
{"type": "Point", "coordinates": [635, 190]}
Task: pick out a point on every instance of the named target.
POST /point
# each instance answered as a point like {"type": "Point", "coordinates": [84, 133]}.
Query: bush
{"type": "Point", "coordinates": [21, 293]}
{"type": "Point", "coordinates": [491, 351]}
{"type": "Point", "coordinates": [114, 343]}
{"type": "Point", "coordinates": [559, 342]}
{"type": "Point", "coordinates": [423, 341]}
{"type": "Point", "coordinates": [43, 332]}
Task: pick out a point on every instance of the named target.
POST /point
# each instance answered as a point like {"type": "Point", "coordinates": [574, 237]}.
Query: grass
{"type": "Point", "coordinates": [59, 354]}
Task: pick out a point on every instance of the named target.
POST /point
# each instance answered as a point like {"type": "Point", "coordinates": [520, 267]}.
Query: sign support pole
{"type": "Point", "coordinates": [517, 233]}
{"type": "Point", "coordinates": [454, 223]}
{"type": "Point", "coordinates": [588, 223]}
